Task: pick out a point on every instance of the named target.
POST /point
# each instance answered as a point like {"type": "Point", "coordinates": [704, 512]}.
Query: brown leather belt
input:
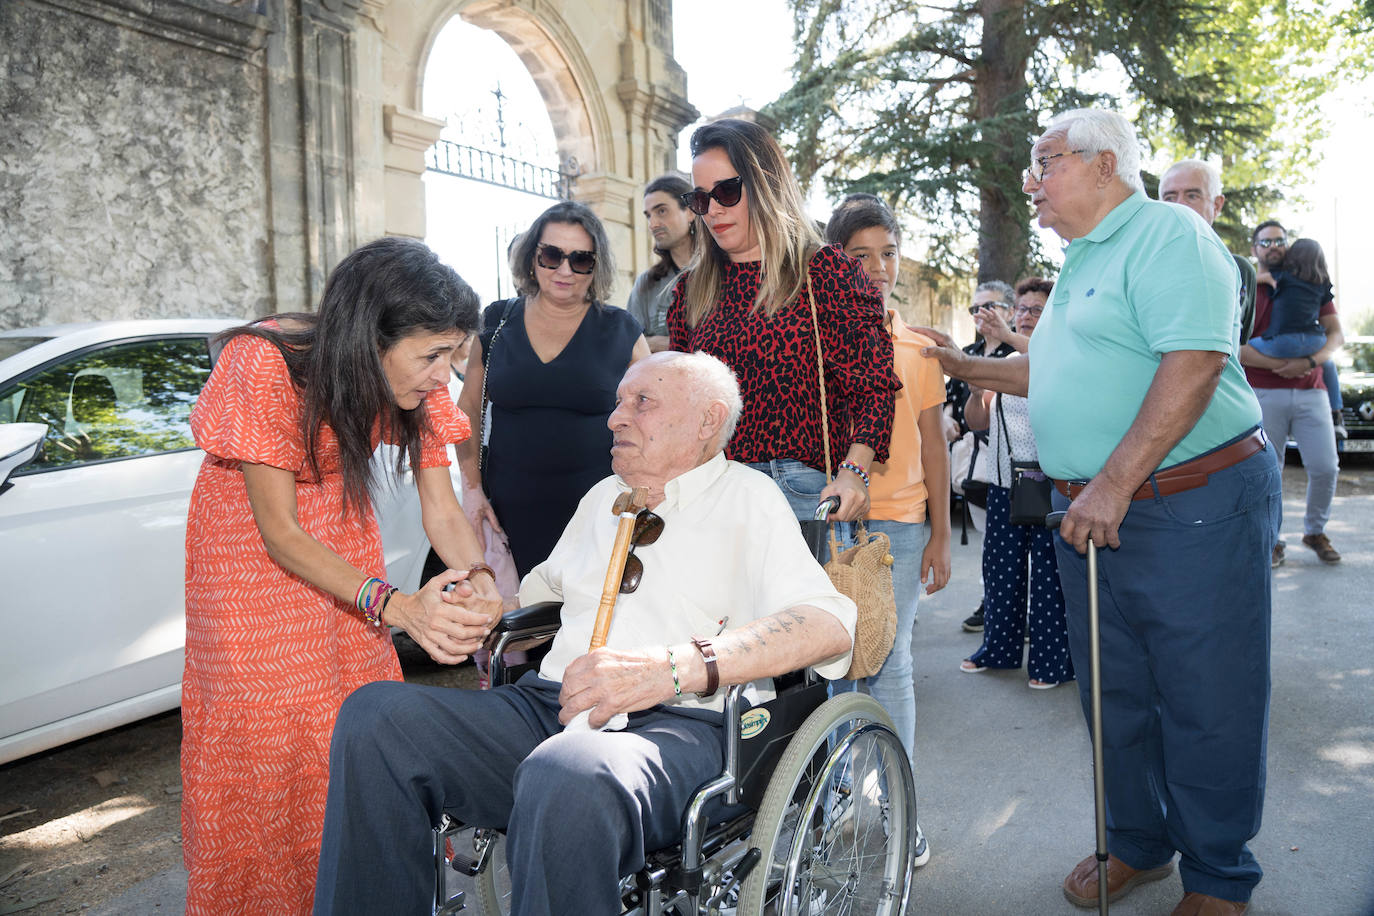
{"type": "Point", "coordinates": [1187, 475]}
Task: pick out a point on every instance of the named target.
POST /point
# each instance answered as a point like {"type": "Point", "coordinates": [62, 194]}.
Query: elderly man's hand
{"type": "Point", "coordinates": [953, 362]}
{"type": "Point", "coordinates": [1095, 513]}
{"type": "Point", "coordinates": [940, 337]}
{"type": "Point", "coordinates": [607, 682]}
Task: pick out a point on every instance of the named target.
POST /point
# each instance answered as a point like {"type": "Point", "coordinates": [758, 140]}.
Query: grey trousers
{"type": "Point", "coordinates": [580, 810]}
{"type": "Point", "coordinates": [1305, 416]}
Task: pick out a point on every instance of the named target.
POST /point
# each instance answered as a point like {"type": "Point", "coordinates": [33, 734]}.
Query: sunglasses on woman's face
{"type": "Point", "coordinates": [550, 257]}
{"type": "Point", "coordinates": [726, 192]}
{"type": "Point", "coordinates": [648, 527]}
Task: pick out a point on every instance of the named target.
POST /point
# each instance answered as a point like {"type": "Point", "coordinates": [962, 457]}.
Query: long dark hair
{"type": "Point", "coordinates": [571, 213]}
{"type": "Point", "coordinates": [1306, 261]}
{"type": "Point", "coordinates": [674, 185]}
{"type": "Point", "coordinates": [384, 291]}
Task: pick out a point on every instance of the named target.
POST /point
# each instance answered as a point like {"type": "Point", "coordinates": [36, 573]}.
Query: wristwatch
{"type": "Point", "coordinates": [708, 655]}
{"type": "Point", "coordinates": [1311, 362]}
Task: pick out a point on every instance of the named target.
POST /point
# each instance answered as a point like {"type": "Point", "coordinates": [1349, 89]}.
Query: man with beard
{"type": "Point", "coordinates": [673, 228]}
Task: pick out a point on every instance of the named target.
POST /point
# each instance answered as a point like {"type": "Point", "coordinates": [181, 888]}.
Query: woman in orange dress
{"type": "Point", "coordinates": [287, 609]}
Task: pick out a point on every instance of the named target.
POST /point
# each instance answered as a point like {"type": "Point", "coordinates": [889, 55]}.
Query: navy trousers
{"type": "Point", "coordinates": [1185, 610]}
{"type": "Point", "coordinates": [579, 809]}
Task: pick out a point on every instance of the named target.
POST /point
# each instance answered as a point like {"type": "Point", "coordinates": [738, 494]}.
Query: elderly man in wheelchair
{"type": "Point", "coordinates": [660, 801]}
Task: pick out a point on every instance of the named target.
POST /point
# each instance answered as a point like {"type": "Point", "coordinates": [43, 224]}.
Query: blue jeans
{"type": "Point", "coordinates": [1305, 343]}
{"type": "Point", "coordinates": [893, 686]}
{"type": "Point", "coordinates": [1185, 610]}
{"type": "Point", "coordinates": [802, 485]}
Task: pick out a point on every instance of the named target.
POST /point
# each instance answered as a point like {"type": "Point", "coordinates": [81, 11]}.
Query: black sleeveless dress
{"type": "Point", "coordinates": [549, 441]}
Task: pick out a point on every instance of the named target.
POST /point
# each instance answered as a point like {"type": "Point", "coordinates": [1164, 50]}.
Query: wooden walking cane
{"type": "Point", "coordinates": [627, 506]}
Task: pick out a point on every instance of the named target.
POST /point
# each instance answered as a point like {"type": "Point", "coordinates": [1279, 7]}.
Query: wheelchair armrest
{"type": "Point", "coordinates": [536, 616]}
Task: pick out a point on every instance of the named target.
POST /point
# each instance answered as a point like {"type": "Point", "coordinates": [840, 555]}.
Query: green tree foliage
{"type": "Point", "coordinates": [934, 107]}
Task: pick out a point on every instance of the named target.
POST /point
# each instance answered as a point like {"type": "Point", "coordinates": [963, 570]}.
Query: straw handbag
{"type": "Point", "coordinates": [863, 572]}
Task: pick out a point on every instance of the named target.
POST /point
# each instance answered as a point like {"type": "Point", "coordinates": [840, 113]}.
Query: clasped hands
{"type": "Point", "coordinates": [450, 625]}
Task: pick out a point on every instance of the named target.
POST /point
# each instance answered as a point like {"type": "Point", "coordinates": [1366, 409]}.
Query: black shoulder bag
{"type": "Point", "coordinates": [485, 424]}
{"type": "Point", "coordinates": [1030, 488]}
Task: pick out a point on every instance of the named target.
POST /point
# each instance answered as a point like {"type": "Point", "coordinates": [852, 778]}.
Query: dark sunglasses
{"type": "Point", "coordinates": [727, 193]}
{"type": "Point", "coordinates": [550, 257]}
{"type": "Point", "coordinates": [648, 527]}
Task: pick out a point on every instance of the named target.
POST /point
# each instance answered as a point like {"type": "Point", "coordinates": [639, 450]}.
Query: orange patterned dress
{"type": "Point", "coordinates": [269, 657]}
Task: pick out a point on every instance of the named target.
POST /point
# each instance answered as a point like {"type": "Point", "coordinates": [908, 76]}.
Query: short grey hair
{"type": "Point", "coordinates": [1210, 174]}
{"type": "Point", "coordinates": [1096, 130]}
{"type": "Point", "coordinates": [1003, 290]}
{"type": "Point", "coordinates": [709, 380]}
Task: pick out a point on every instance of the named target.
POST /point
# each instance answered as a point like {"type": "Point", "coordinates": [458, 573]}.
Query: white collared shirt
{"type": "Point", "coordinates": [731, 552]}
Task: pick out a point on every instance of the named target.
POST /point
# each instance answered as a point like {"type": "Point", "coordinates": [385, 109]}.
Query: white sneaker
{"type": "Point", "coordinates": [922, 847]}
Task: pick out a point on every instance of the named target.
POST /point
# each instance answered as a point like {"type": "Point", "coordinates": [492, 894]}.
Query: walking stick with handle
{"type": "Point", "coordinates": [1095, 703]}
{"type": "Point", "coordinates": [627, 506]}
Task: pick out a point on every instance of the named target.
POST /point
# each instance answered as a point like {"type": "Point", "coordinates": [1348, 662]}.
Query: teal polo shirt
{"type": "Point", "coordinates": [1149, 279]}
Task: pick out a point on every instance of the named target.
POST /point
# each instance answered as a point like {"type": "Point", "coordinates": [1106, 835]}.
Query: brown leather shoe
{"type": "Point", "coordinates": [1195, 904]}
{"type": "Point", "coordinates": [1322, 545]}
{"type": "Point", "coordinates": [1080, 887]}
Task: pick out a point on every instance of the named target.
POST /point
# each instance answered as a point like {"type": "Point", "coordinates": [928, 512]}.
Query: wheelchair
{"type": "Point", "coordinates": [828, 795]}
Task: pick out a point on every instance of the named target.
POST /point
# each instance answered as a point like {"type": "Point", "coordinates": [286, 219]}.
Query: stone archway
{"type": "Point", "coordinates": [614, 94]}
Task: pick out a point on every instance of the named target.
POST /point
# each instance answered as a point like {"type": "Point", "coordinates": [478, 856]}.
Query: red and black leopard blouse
{"type": "Point", "coordinates": [775, 360]}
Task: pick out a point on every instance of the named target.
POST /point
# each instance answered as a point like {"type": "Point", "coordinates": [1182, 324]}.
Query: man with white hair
{"type": "Point", "coordinates": [1197, 185]}
{"type": "Point", "coordinates": [1143, 417]}
{"type": "Point", "coordinates": [723, 590]}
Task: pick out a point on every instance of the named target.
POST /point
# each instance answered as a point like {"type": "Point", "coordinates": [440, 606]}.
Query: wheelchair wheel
{"type": "Point", "coordinates": [837, 824]}
{"type": "Point", "coordinates": [489, 888]}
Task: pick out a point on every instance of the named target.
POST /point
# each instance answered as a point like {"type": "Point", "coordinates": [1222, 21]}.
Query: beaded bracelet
{"type": "Point", "coordinates": [370, 596]}
{"type": "Point", "coordinates": [672, 666]}
{"type": "Point", "coordinates": [377, 620]}
{"type": "Point", "coordinates": [848, 465]}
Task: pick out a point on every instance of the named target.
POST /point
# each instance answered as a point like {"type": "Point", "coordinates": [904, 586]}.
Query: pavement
{"type": "Point", "coordinates": [1004, 777]}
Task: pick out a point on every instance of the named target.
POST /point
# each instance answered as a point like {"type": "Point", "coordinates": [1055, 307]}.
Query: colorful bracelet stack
{"type": "Point", "coordinates": [848, 465]}
{"type": "Point", "coordinates": [372, 598]}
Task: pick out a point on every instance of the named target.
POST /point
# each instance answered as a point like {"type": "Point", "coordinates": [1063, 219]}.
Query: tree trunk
{"type": "Point", "coordinates": [1000, 108]}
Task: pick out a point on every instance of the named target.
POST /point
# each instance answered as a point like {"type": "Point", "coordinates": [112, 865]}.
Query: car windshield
{"type": "Point", "coordinates": [1356, 356]}
{"type": "Point", "coordinates": [12, 345]}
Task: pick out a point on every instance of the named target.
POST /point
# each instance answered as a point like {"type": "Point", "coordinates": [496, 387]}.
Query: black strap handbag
{"type": "Point", "coordinates": [1030, 488]}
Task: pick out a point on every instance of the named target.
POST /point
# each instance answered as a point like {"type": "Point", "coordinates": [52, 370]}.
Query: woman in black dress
{"type": "Point", "coordinates": [548, 361]}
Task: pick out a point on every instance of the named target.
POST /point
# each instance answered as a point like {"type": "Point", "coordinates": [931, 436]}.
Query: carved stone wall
{"type": "Point", "coordinates": [131, 179]}
{"type": "Point", "coordinates": [196, 157]}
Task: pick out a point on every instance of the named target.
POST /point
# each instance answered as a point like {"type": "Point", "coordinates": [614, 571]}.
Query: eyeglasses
{"type": "Point", "coordinates": [727, 193]}
{"type": "Point", "coordinates": [550, 257]}
{"type": "Point", "coordinates": [648, 527]}
{"type": "Point", "coordinates": [1035, 310]}
{"type": "Point", "coordinates": [1271, 243]}
{"type": "Point", "coordinates": [1036, 172]}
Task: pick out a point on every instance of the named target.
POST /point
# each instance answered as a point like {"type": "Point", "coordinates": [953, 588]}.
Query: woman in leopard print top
{"type": "Point", "coordinates": [734, 303]}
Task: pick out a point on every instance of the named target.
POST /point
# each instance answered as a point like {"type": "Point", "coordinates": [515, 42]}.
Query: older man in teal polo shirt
{"type": "Point", "coordinates": [1143, 417]}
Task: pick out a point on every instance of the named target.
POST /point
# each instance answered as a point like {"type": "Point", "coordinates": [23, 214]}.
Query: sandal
{"type": "Point", "coordinates": [969, 666]}
{"type": "Point", "coordinates": [1042, 685]}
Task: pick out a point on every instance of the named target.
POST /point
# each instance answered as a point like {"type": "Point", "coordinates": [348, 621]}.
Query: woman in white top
{"type": "Point", "coordinates": [1008, 586]}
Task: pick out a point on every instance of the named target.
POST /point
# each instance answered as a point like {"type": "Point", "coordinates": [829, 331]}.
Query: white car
{"type": "Point", "coordinates": [96, 468]}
